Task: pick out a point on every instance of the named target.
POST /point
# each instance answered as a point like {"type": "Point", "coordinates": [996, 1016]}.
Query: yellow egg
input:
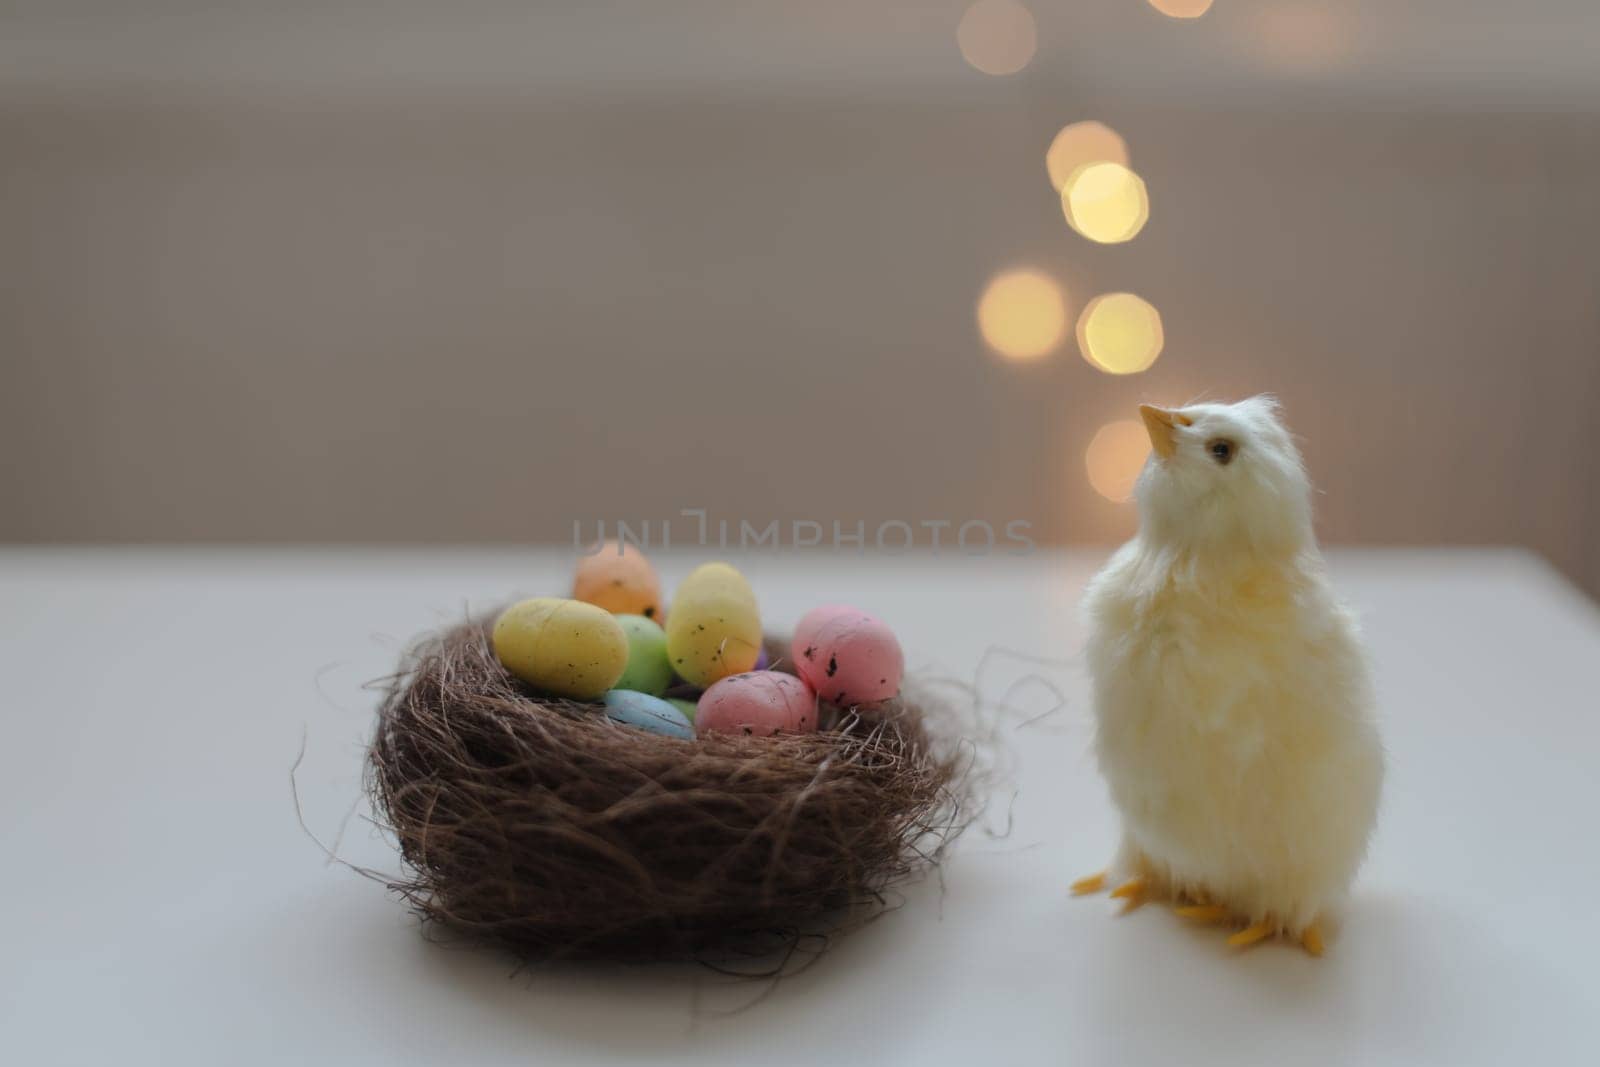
{"type": "Point", "coordinates": [565, 647]}
{"type": "Point", "coordinates": [714, 629]}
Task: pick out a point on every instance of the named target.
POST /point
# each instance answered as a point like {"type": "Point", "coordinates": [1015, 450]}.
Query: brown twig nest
{"type": "Point", "coordinates": [541, 825]}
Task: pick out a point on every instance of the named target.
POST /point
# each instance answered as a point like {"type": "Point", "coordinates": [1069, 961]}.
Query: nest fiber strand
{"type": "Point", "coordinates": [544, 826]}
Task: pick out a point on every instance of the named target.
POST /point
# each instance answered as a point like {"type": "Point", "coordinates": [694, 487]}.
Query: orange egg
{"type": "Point", "coordinates": [622, 583]}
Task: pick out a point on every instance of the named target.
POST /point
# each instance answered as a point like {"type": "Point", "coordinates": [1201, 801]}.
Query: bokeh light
{"type": "Point", "coordinates": [1106, 202]}
{"type": "Point", "coordinates": [1115, 457]}
{"type": "Point", "coordinates": [1120, 333]}
{"type": "Point", "coordinates": [1302, 37]}
{"type": "Point", "coordinates": [1080, 143]}
{"type": "Point", "coordinates": [997, 36]}
{"type": "Point", "coordinates": [1022, 314]}
{"type": "Point", "coordinates": [1182, 9]}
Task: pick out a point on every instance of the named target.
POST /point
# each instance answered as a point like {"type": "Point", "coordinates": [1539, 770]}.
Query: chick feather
{"type": "Point", "coordinates": [1233, 705]}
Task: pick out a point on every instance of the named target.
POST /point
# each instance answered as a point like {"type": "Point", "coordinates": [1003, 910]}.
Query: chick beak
{"type": "Point", "coordinates": [1162, 425]}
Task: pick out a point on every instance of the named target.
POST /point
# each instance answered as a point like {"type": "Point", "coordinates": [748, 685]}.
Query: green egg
{"type": "Point", "coordinates": [648, 670]}
{"type": "Point", "coordinates": [688, 707]}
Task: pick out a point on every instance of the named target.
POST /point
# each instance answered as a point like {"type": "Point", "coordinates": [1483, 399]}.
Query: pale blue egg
{"type": "Point", "coordinates": [647, 713]}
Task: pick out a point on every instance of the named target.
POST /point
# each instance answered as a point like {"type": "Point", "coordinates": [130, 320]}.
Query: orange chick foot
{"type": "Point", "coordinates": [1250, 935]}
{"type": "Point", "coordinates": [1131, 893]}
{"type": "Point", "coordinates": [1092, 884]}
{"type": "Point", "coordinates": [1132, 889]}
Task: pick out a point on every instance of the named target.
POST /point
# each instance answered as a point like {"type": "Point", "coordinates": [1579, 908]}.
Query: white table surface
{"type": "Point", "coordinates": [162, 904]}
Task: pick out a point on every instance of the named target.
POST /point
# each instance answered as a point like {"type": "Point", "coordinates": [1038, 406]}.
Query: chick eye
{"type": "Point", "coordinates": [1221, 450]}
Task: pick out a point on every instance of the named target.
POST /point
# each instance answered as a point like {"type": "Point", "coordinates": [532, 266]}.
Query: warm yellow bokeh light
{"type": "Point", "coordinates": [1079, 144]}
{"type": "Point", "coordinates": [997, 36]}
{"type": "Point", "coordinates": [1182, 9]}
{"type": "Point", "coordinates": [1022, 314]}
{"type": "Point", "coordinates": [1115, 457]}
{"type": "Point", "coordinates": [1301, 37]}
{"type": "Point", "coordinates": [1120, 333]}
{"type": "Point", "coordinates": [1106, 202]}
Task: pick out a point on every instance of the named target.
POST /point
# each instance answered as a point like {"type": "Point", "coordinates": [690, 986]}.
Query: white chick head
{"type": "Point", "coordinates": [1223, 477]}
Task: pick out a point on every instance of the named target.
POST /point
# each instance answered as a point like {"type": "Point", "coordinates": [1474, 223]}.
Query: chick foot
{"type": "Point", "coordinates": [1251, 934]}
{"type": "Point", "coordinates": [1310, 938]}
{"type": "Point", "coordinates": [1133, 893]}
{"type": "Point", "coordinates": [1091, 884]}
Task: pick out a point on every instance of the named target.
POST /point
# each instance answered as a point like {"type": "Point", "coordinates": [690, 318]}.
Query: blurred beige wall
{"type": "Point", "coordinates": [482, 315]}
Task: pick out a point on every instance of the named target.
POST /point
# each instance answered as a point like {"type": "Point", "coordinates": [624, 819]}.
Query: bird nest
{"type": "Point", "coordinates": [543, 826]}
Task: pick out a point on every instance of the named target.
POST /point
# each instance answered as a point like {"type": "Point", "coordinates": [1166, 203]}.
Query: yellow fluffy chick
{"type": "Point", "coordinates": [1232, 701]}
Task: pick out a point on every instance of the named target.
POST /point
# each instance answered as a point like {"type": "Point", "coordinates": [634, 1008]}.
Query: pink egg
{"type": "Point", "coordinates": [849, 658]}
{"type": "Point", "coordinates": [761, 703]}
{"type": "Point", "coordinates": [805, 634]}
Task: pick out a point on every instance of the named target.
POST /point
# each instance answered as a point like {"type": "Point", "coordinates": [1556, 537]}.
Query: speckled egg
{"type": "Point", "coordinates": [812, 621]}
{"type": "Point", "coordinates": [848, 656]}
{"type": "Point", "coordinates": [647, 713]}
{"type": "Point", "coordinates": [622, 582]}
{"type": "Point", "coordinates": [715, 629]}
{"type": "Point", "coordinates": [564, 647]}
{"type": "Point", "coordinates": [759, 703]}
{"type": "Point", "coordinates": [648, 670]}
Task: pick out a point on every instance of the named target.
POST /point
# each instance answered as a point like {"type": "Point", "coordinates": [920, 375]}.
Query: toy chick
{"type": "Point", "coordinates": [1231, 692]}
